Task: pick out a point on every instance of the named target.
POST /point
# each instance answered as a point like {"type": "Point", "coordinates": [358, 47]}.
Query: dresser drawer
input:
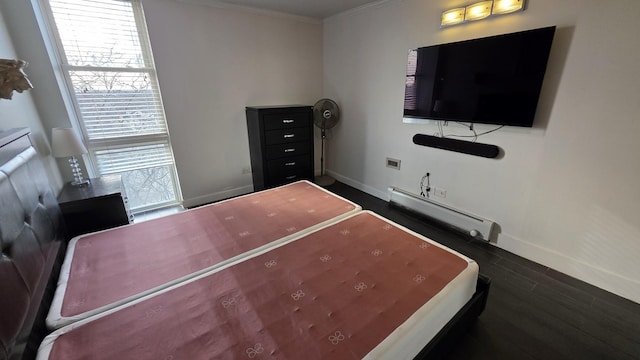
{"type": "Point", "coordinates": [286, 136]}
{"type": "Point", "coordinates": [286, 170]}
{"type": "Point", "coordinates": [288, 166]}
{"type": "Point", "coordinates": [286, 150]}
{"type": "Point", "coordinates": [286, 121]}
{"type": "Point", "coordinates": [285, 179]}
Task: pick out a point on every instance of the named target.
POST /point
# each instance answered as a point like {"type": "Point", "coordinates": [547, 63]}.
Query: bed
{"type": "Point", "coordinates": [359, 288]}
{"type": "Point", "coordinates": [180, 292]}
{"type": "Point", "coordinates": [32, 245]}
{"type": "Point", "coordinates": [105, 269]}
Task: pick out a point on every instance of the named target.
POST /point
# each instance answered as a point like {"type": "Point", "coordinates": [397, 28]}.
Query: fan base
{"type": "Point", "coordinates": [324, 180]}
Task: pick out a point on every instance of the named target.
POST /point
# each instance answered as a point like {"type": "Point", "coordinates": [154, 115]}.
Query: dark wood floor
{"type": "Point", "coordinates": [533, 312]}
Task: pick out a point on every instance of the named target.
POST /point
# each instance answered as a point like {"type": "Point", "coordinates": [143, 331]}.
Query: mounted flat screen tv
{"type": "Point", "coordinates": [493, 80]}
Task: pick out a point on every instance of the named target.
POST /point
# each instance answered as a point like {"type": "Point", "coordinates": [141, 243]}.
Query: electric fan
{"type": "Point", "coordinates": [325, 116]}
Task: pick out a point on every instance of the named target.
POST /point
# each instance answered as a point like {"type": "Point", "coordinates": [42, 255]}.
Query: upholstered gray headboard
{"type": "Point", "coordinates": [31, 241]}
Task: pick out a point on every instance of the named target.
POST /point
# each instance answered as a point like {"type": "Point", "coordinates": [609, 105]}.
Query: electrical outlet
{"type": "Point", "coordinates": [246, 170]}
{"type": "Point", "coordinates": [440, 192]}
{"type": "Point", "coordinates": [393, 163]}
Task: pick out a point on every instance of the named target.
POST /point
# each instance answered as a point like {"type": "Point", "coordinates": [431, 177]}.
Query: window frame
{"type": "Point", "coordinates": [74, 109]}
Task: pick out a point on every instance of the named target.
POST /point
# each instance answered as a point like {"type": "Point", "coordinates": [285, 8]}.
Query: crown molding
{"type": "Point", "coordinates": [223, 5]}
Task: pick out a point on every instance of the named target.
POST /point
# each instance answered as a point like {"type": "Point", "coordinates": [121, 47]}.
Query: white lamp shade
{"type": "Point", "coordinates": [65, 143]}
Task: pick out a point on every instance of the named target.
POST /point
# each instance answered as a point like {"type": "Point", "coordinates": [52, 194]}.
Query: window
{"type": "Point", "coordinates": [108, 67]}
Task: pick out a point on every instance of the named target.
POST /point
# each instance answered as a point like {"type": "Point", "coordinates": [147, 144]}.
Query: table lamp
{"type": "Point", "coordinates": [65, 143]}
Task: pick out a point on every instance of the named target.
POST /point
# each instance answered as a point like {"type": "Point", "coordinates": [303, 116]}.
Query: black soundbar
{"type": "Point", "coordinates": [461, 146]}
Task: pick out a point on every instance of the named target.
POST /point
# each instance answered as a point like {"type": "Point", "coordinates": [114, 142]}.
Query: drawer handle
{"type": "Point", "coordinates": [290, 150]}
{"type": "Point", "coordinates": [289, 136]}
{"type": "Point", "coordinates": [287, 121]}
{"type": "Point", "coordinates": [291, 177]}
{"type": "Point", "coordinates": [290, 163]}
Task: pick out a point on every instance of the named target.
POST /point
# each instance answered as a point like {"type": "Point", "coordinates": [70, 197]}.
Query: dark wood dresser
{"type": "Point", "coordinates": [281, 144]}
{"type": "Point", "coordinates": [101, 205]}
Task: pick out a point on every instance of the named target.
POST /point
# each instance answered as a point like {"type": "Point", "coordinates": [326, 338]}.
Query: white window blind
{"type": "Point", "coordinates": [116, 104]}
{"type": "Point", "coordinates": [106, 58]}
{"type": "Point", "coordinates": [99, 33]}
{"type": "Point", "coordinates": [119, 160]}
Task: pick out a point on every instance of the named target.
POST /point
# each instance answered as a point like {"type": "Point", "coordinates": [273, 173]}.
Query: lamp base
{"type": "Point", "coordinates": [78, 180]}
{"type": "Point", "coordinates": [81, 182]}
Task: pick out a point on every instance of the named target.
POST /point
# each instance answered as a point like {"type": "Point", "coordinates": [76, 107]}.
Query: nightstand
{"type": "Point", "coordinates": [100, 205]}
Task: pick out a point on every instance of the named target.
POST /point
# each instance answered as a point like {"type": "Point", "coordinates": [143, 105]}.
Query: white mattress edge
{"type": "Point", "coordinates": [429, 319]}
{"type": "Point", "coordinates": [55, 320]}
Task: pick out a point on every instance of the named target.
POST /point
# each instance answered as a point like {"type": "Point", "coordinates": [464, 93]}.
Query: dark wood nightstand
{"type": "Point", "coordinates": [98, 206]}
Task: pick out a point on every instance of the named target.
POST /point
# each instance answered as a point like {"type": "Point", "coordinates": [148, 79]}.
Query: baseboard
{"type": "Point", "coordinates": [221, 195]}
{"type": "Point", "coordinates": [384, 195]}
{"type": "Point", "coordinates": [615, 283]}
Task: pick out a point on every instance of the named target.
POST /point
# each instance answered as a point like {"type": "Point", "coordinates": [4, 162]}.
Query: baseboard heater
{"type": "Point", "coordinates": [474, 225]}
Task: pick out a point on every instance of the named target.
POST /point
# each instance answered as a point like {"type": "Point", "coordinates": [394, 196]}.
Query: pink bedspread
{"type": "Point", "coordinates": [119, 263]}
{"type": "Point", "coordinates": [334, 294]}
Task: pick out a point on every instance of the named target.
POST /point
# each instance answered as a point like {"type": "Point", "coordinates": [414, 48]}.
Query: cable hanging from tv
{"type": "Point", "coordinates": [442, 124]}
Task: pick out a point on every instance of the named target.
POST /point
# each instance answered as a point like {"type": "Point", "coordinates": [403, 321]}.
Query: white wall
{"type": "Point", "coordinates": [566, 193]}
{"type": "Point", "coordinates": [212, 62]}
{"type": "Point", "coordinates": [22, 112]}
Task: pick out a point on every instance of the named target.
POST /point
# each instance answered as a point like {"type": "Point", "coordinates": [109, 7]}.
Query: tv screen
{"type": "Point", "coordinates": [493, 80]}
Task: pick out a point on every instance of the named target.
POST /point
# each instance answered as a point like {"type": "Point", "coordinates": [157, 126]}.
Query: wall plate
{"type": "Point", "coordinates": [393, 163]}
